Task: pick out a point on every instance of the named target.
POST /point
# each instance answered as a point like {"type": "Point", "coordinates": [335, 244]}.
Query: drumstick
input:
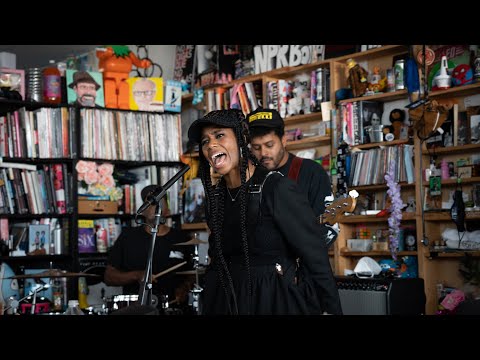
{"type": "Point", "coordinates": [168, 270]}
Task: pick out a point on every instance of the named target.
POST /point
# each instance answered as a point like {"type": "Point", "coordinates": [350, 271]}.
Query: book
{"type": "Point", "coordinates": [86, 237]}
{"type": "Point", "coordinates": [194, 209]}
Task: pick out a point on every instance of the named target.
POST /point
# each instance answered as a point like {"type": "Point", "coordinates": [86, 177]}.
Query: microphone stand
{"type": "Point", "coordinates": [145, 293]}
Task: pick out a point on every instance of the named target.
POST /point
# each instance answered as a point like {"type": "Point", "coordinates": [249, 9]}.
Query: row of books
{"type": "Point", "coordinates": [368, 167]}
{"type": "Point", "coordinates": [98, 235]}
{"type": "Point", "coordinates": [28, 190]}
{"type": "Point", "coordinates": [151, 175]}
{"type": "Point", "coordinates": [131, 136]}
{"type": "Point", "coordinates": [302, 95]}
{"type": "Point", "coordinates": [246, 97]}
{"type": "Point", "coordinates": [43, 133]}
{"type": "Point", "coordinates": [34, 237]}
{"type": "Point", "coordinates": [355, 117]}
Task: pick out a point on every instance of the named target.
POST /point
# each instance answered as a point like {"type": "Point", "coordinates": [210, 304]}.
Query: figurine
{"type": "Point", "coordinates": [357, 78]}
{"type": "Point", "coordinates": [116, 64]}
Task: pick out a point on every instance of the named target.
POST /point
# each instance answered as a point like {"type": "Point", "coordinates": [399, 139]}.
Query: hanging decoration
{"type": "Point", "coordinates": [396, 206]}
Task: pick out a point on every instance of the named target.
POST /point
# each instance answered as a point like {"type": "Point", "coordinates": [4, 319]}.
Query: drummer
{"type": "Point", "coordinates": [127, 258]}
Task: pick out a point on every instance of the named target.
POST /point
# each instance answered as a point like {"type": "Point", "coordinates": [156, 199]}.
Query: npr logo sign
{"type": "Point", "coordinates": [269, 57]}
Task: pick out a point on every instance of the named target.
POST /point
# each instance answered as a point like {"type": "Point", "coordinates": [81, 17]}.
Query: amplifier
{"type": "Point", "coordinates": [380, 296]}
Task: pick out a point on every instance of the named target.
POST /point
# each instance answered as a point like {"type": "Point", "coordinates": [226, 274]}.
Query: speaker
{"type": "Point", "coordinates": [375, 296]}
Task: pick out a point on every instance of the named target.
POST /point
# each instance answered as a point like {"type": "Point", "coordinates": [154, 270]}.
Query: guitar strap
{"type": "Point", "coordinates": [295, 168]}
{"type": "Point", "coordinates": [256, 185]}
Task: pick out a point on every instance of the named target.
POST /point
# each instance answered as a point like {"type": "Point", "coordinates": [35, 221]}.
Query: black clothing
{"type": "Point", "coordinates": [280, 236]}
{"type": "Point", "coordinates": [130, 253]}
{"type": "Point", "coordinates": [313, 180]}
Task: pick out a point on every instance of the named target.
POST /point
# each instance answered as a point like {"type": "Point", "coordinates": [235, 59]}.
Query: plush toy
{"type": "Point", "coordinates": [397, 117]}
{"type": "Point", "coordinates": [357, 78]}
{"type": "Point", "coordinates": [429, 116]}
{"type": "Point", "coordinates": [116, 64]}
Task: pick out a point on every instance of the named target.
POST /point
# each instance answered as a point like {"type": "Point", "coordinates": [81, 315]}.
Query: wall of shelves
{"type": "Point", "coordinates": [435, 266]}
{"type": "Point", "coordinates": [71, 259]}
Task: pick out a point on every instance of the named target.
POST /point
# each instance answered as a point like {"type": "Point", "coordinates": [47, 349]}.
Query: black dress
{"type": "Point", "coordinates": [286, 230]}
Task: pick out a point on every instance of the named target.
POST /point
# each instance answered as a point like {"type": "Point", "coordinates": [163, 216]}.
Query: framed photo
{"type": "Point", "coordinates": [85, 88]}
{"type": "Point", "coordinates": [194, 210]}
{"type": "Point", "coordinates": [38, 238]}
{"type": "Point", "coordinates": [146, 93]}
{"type": "Point", "coordinates": [464, 172]}
{"type": "Point", "coordinates": [475, 129]}
{"type": "Point", "coordinates": [173, 96]}
{"type": "Point", "coordinates": [14, 79]}
{"type": "Point", "coordinates": [473, 124]}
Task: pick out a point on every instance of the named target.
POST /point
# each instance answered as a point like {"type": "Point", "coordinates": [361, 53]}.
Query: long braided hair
{"type": "Point", "coordinates": [215, 198]}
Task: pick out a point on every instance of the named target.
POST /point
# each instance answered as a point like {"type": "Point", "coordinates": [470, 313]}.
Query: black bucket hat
{"type": "Point", "coordinates": [231, 118]}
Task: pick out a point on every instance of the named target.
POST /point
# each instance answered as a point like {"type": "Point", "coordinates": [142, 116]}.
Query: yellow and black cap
{"type": "Point", "coordinates": [265, 118]}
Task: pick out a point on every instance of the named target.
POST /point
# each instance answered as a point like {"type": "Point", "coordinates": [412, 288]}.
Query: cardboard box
{"type": "Point", "coordinates": [97, 207]}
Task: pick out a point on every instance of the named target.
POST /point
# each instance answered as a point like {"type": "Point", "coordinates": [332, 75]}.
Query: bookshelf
{"type": "Point", "coordinates": [434, 266]}
{"type": "Point", "coordinates": [43, 143]}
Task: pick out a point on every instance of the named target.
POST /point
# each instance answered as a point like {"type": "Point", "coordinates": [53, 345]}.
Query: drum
{"type": "Point", "coordinates": [8, 287]}
{"type": "Point", "coordinates": [98, 291]}
{"type": "Point", "coordinates": [118, 302]}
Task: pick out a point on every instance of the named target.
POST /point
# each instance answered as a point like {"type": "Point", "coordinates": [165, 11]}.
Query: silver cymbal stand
{"type": "Point", "coordinates": [14, 304]}
{"type": "Point", "coordinates": [194, 297]}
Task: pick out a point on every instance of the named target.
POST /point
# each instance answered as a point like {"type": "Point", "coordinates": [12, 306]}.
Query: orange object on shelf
{"type": "Point", "coordinates": [116, 69]}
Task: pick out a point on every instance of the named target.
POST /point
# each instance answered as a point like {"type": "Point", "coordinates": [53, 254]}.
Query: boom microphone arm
{"type": "Point", "coordinates": [156, 195]}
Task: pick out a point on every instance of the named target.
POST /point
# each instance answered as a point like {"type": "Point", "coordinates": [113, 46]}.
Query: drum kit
{"type": "Point", "coordinates": [106, 304]}
{"type": "Point", "coordinates": [30, 304]}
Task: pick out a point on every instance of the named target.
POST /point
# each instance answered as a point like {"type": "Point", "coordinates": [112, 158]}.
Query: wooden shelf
{"type": "Point", "coordinates": [389, 96]}
{"type": "Point", "coordinates": [132, 163]}
{"type": "Point", "coordinates": [451, 253]}
{"type": "Point", "coordinates": [316, 116]}
{"type": "Point", "coordinates": [464, 90]}
{"type": "Point", "coordinates": [308, 142]}
{"type": "Point", "coordinates": [346, 252]}
{"type": "Point", "coordinates": [445, 215]}
{"type": "Point", "coordinates": [453, 182]}
{"type": "Point", "coordinates": [290, 71]}
{"type": "Point", "coordinates": [357, 219]}
{"type": "Point", "coordinates": [195, 226]}
{"type": "Point", "coordinates": [192, 154]}
{"type": "Point", "coordinates": [378, 144]}
{"type": "Point", "coordinates": [187, 98]}
{"type": "Point", "coordinates": [383, 51]}
{"type": "Point", "coordinates": [378, 187]}
{"type": "Point", "coordinates": [452, 149]}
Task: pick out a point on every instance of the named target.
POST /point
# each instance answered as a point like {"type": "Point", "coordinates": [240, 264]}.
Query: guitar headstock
{"type": "Point", "coordinates": [340, 206]}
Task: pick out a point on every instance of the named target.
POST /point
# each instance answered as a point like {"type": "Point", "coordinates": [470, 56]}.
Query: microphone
{"type": "Point", "coordinates": [156, 195]}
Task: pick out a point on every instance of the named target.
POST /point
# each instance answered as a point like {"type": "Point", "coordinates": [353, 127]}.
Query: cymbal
{"type": "Point", "coordinates": [201, 271]}
{"type": "Point", "coordinates": [192, 242]}
{"type": "Point", "coordinates": [54, 273]}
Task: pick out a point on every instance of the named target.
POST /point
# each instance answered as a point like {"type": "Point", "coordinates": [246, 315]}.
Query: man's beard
{"type": "Point", "coordinates": [87, 100]}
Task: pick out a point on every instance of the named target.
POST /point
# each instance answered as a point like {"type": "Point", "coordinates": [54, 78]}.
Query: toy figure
{"type": "Point", "coordinates": [397, 117]}
{"type": "Point", "coordinates": [116, 63]}
{"type": "Point", "coordinates": [357, 78]}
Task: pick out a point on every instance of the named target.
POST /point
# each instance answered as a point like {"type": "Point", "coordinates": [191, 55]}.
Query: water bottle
{"type": "Point", "coordinates": [58, 240]}
{"type": "Point", "coordinates": [73, 308]}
